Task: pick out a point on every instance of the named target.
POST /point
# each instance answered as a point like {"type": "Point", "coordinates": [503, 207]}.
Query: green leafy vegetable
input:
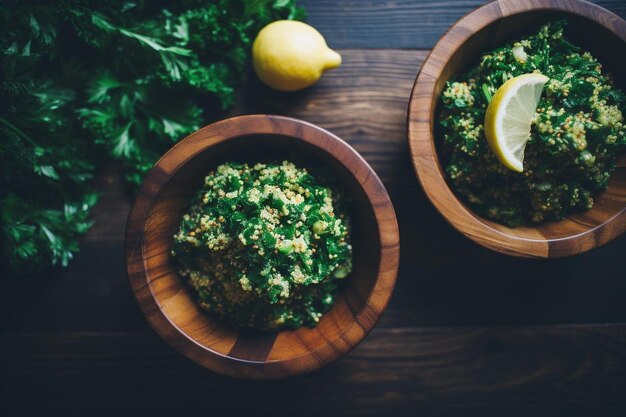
{"type": "Point", "coordinates": [83, 79]}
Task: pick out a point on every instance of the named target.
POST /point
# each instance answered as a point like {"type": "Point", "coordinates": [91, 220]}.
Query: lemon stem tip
{"type": "Point", "coordinates": [333, 59]}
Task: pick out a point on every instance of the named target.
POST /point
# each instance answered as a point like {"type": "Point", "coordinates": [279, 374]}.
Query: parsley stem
{"type": "Point", "coordinates": [17, 131]}
{"type": "Point", "coordinates": [487, 93]}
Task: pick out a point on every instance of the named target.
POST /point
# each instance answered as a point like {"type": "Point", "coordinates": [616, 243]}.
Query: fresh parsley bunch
{"type": "Point", "coordinates": [85, 79]}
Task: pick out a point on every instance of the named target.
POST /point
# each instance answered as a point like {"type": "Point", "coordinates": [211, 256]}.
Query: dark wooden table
{"type": "Point", "coordinates": [468, 331]}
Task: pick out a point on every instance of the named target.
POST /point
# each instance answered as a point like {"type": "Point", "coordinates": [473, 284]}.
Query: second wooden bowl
{"type": "Point", "coordinates": [169, 305]}
{"type": "Point", "coordinates": [592, 27]}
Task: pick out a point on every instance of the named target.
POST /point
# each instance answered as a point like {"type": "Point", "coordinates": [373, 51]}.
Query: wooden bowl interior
{"type": "Point", "coordinates": [176, 300]}
{"type": "Point", "coordinates": [605, 46]}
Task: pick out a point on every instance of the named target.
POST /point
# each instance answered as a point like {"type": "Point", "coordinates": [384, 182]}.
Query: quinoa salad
{"type": "Point", "coordinates": [265, 246]}
{"type": "Point", "coordinates": [576, 135]}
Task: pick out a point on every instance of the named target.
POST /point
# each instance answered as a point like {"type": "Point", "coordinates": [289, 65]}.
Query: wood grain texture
{"type": "Point", "coordinates": [512, 371]}
{"type": "Point", "coordinates": [590, 26]}
{"type": "Point", "coordinates": [401, 24]}
{"type": "Point", "coordinates": [170, 307]}
{"type": "Point", "coordinates": [372, 89]}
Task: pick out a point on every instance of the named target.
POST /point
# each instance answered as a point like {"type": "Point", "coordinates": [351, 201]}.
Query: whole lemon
{"type": "Point", "coordinates": [289, 55]}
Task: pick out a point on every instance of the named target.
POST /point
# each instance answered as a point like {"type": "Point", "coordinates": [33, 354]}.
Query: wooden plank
{"type": "Point", "coordinates": [559, 370]}
{"type": "Point", "coordinates": [416, 24]}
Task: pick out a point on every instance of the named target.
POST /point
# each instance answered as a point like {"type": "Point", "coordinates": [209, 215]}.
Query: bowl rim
{"type": "Point", "coordinates": [233, 128]}
{"type": "Point", "coordinates": [421, 137]}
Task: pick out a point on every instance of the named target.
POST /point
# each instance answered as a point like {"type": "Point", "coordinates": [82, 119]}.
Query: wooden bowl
{"type": "Point", "coordinates": [592, 27]}
{"type": "Point", "coordinates": [169, 305]}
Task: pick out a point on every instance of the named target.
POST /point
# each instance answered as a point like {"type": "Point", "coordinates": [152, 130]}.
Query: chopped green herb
{"type": "Point", "coordinates": [265, 247]}
{"type": "Point", "coordinates": [575, 137]}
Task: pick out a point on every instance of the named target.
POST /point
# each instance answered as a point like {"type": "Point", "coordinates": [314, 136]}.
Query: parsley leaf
{"type": "Point", "coordinates": [81, 80]}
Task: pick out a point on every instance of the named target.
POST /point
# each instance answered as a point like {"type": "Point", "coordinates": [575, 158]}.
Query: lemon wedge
{"type": "Point", "coordinates": [509, 116]}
